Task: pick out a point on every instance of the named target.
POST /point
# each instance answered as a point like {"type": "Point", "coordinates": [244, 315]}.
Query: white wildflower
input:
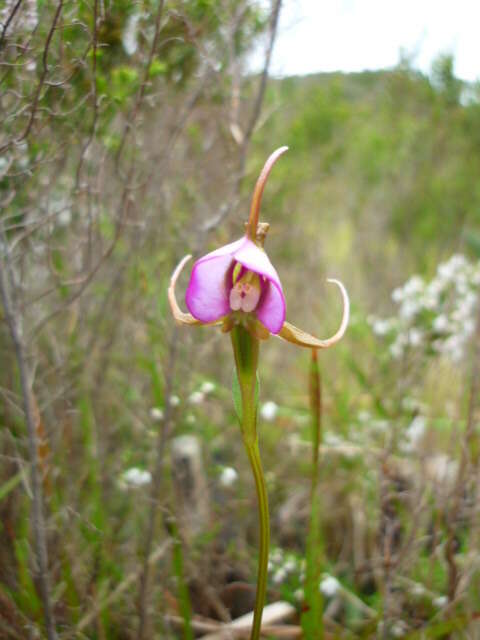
{"type": "Point", "coordinates": [269, 411]}
{"type": "Point", "coordinates": [409, 309]}
{"type": "Point", "coordinates": [228, 477]}
{"type": "Point", "coordinates": [397, 294]}
{"type": "Point", "coordinates": [135, 477]}
{"type": "Point", "coordinates": [197, 397]}
{"type": "Point", "coordinates": [440, 601]}
{"type": "Point", "coordinates": [429, 299]}
{"type": "Point", "coordinates": [453, 347]}
{"type": "Point", "coordinates": [290, 565]}
{"type": "Point", "coordinates": [441, 323]}
{"type": "Point", "coordinates": [298, 595]}
{"type": "Point", "coordinates": [207, 387]}
{"type": "Point", "coordinates": [156, 414]}
{"type": "Point", "coordinates": [381, 327]}
{"type": "Point", "coordinates": [415, 337]}
{"type": "Point", "coordinates": [436, 287]}
{"type": "Point", "coordinates": [413, 286]}
{"type": "Point", "coordinates": [329, 586]}
{"type": "Point", "coordinates": [174, 401]}
{"type": "Point", "coordinates": [398, 347]}
{"type": "Point", "coordinates": [279, 576]}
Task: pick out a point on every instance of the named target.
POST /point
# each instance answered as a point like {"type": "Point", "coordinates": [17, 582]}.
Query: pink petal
{"type": "Point", "coordinates": [272, 308]}
{"type": "Point", "coordinates": [207, 292]}
{"type": "Point", "coordinates": [207, 296]}
{"type": "Point", "coordinates": [229, 249]}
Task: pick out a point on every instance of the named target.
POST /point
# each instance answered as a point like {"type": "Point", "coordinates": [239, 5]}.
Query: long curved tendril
{"type": "Point", "coordinates": [301, 338]}
{"type": "Point", "coordinates": [258, 192]}
{"type": "Point", "coordinates": [180, 316]}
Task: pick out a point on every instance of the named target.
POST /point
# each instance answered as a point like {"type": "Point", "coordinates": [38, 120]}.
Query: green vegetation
{"type": "Point", "coordinates": [118, 161]}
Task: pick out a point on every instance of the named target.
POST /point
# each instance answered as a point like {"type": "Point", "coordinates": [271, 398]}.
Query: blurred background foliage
{"type": "Point", "coordinates": [131, 135]}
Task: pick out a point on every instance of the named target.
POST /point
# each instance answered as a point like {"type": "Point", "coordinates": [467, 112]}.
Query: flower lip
{"type": "Point", "coordinates": [208, 293]}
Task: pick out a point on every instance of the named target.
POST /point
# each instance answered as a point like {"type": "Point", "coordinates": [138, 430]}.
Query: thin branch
{"type": "Point", "coordinates": [266, 67]}
{"type": "Point", "coordinates": [38, 520]}
{"type": "Point", "coordinates": [9, 19]}
{"type": "Point", "coordinates": [234, 196]}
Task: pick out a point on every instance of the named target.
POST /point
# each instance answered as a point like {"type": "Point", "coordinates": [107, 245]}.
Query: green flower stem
{"type": "Point", "coordinates": [312, 619]}
{"type": "Point", "coordinates": [246, 348]}
{"type": "Point", "coordinates": [255, 462]}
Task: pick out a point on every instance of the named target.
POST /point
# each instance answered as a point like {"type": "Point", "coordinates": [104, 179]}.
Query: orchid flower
{"type": "Point", "coordinates": [237, 284]}
{"type": "Point", "coordinates": [237, 287]}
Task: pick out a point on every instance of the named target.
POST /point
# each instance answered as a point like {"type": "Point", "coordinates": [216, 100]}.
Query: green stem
{"type": "Point", "coordinates": [312, 619]}
{"type": "Point", "coordinates": [246, 348]}
{"type": "Point", "coordinates": [256, 464]}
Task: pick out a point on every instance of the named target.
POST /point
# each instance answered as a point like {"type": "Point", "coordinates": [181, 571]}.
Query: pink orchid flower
{"type": "Point", "coordinates": [238, 284]}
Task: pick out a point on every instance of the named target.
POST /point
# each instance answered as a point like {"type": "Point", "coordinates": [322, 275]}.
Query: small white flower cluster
{"type": "Point", "coordinates": [156, 414]}
{"type": "Point", "coordinates": [269, 411]}
{"type": "Point", "coordinates": [134, 478]}
{"type": "Point", "coordinates": [228, 477]}
{"type": "Point", "coordinates": [284, 566]}
{"type": "Point", "coordinates": [198, 396]}
{"type": "Point", "coordinates": [329, 586]}
{"type": "Point", "coordinates": [438, 316]}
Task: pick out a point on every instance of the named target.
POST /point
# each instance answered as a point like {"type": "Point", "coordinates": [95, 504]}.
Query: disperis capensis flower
{"type": "Point", "coordinates": [237, 284]}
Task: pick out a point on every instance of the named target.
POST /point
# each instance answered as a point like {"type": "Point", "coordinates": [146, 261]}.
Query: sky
{"type": "Point", "coordinates": [353, 35]}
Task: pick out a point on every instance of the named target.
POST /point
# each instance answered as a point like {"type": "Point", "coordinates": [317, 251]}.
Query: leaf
{"type": "Point", "coordinates": [157, 68]}
{"type": "Point", "coordinates": [237, 394]}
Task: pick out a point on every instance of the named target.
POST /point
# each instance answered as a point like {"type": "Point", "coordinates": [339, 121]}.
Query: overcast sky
{"type": "Point", "coordinates": [352, 35]}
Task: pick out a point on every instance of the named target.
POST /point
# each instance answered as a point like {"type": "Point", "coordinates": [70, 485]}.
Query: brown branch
{"type": "Point", "coordinates": [9, 19]}
{"type": "Point", "coordinates": [264, 77]}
